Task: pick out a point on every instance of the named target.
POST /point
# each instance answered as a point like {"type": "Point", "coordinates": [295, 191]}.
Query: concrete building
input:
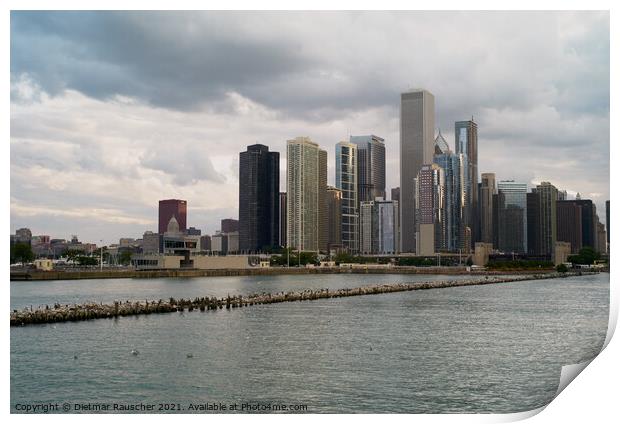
{"type": "Point", "coordinates": [370, 167]}
{"type": "Point", "coordinates": [366, 227]}
{"type": "Point", "coordinates": [481, 253]}
{"type": "Point", "coordinates": [485, 200]}
{"type": "Point", "coordinates": [512, 216]}
{"type": "Point", "coordinates": [429, 209]}
{"type": "Point", "coordinates": [172, 208]}
{"type": "Point", "coordinates": [306, 195]}
{"type": "Point", "coordinates": [259, 198]}
{"type": "Point", "coordinates": [347, 182]}
{"type": "Point", "coordinates": [334, 214]}
{"type": "Point", "coordinates": [547, 229]}
{"type": "Point", "coordinates": [417, 134]}
{"type": "Point", "coordinates": [395, 194]}
{"type": "Point", "coordinates": [205, 243]}
{"type": "Point", "coordinates": [561, 252]}
{"type": "Point", "coordinates": [152, 243]}
{"type": "Point", "coordinates": [219, 243]}
{"type": "Point", "coordinates": [450, 238]}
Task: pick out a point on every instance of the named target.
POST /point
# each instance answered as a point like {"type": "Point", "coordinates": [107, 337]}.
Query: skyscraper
{"type": "Point", "coordinates": [370, 166]}
{"type": "Point", "coordinates": [334, 208]}
{"type": "Point", "coordinates": [547, 229]}
{"type": "Point", "coordinates": [512, 215]}
{"type": "Point", "coordinates": [387, 216]}
{"type": "Point", "coordinates": [282, 220]}
{"type": "Point", "coordinates": [172, 208]}
{"type": "Point", "coordinates": [395, 194]}
{"type": "Point", "coordinates": [487, 190]}
{"type": "Point", "coordinates": [367, 227]}
{"type": "Point", "coordinates": [450, 163]}
{"type": "Point", "coordinates": [229, 225]}
{"type": "Point", "coordinates": [607, 221]}
{"type": "Point", "coordinates": [569, 222]}
{"type": "Point", "coordinates": [429, 209]}
{"type": "Point", "coordinates": [306, 195]}
{"type": "Point", "coordinates": [466, 142]}
{"type": "Point", "coordinates": [346, 181]}
{"type": "Point", "coordinates": [534, 224]}
{"type": "Point", "coordinates": [417, 128]}
{"type": "Point", "coordinates": [259, 189]}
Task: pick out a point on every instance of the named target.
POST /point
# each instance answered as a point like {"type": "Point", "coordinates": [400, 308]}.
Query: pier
{"type": "Point", "coordinates": [88, 311]}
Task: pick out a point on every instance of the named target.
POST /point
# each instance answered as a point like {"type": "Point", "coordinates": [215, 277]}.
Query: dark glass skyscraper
{"type": "Point", "coordinates": [370, 167]}
{"type": "Point", "coordinates": [259, 194]}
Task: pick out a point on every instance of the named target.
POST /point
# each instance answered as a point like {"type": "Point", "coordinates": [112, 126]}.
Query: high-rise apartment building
{"type": "Point", "coordinates": [466, 142]}
{"type": "Point", "coordinates": [512, 216]}
{"type": "Point", "coordinates": [306, 195]}
{"type": "Point", "coordinates": [429, 209]}
{"type": "Point", "coordinates": [370, 167]}
{"type": "Point", "coordinates": [366, 227]}
{"type": "Point", "coordinates": [259, 196]}
{"type": "Point", "coordinates": [347, 183]}
{"type": "Point", "coordinates": [417, 136]}
{"type": "Point", "coordinates": [172, 208]}
{"type": "Point", "coordinates": [485, 200]}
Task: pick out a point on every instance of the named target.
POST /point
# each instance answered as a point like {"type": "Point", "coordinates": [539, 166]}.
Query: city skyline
{"type": "Point", "coordinates": [180, 148]}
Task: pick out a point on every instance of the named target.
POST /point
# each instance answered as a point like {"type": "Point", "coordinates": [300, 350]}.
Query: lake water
{"type": "Point", "coordinates": [492, 348]}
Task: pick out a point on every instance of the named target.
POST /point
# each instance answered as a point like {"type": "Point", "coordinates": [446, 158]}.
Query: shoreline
{"type": "Point", "coordinates": [90, 311]}
{"type": "Point", "coordinates": [32, 275]}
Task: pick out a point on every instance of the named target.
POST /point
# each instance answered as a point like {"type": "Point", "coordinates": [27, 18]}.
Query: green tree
{"type": "Point", "coordinates": [87, 260]}
{"type": "Point", "coordinates": [470, 262]}
{"type": "Point", "coordinates": [125, 257]}
{"type": "Point", "coordinates": [72, 255]}
{"type": "Point", "coordinates": [21, 252]}
{"type": "Point", "coordinates": [561, 268]}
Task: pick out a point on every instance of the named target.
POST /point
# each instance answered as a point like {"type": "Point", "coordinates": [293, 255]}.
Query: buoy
{"type": "Point", "coordinates": [134, 352]}
{"type": "Point", "coordinates": [74, 356]}
{"type": "Point", "coordinates": [189, 355]}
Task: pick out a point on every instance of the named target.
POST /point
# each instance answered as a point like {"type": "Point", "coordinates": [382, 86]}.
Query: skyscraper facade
{"type": "Point", "coordinates": [259, 192]}
{"type": "Point", "coordinates": [334, 213]}
{"type": "Point", "coordinates": [569, 222]}
{"type": "Point", "coordinates": [466, 142]}
{"type": "Point", "coordinates": [547, 228]}
{"type": "Point", "coordinates": [172, 208]}
{"type": "Point", "coordinates": [450, 163]}
{"type": "Point", "coordinates": [485, 200]}
{"type": "Point", "coordinates": [417, 128]}
{"type": "Point", "coordinates": [282, 220]}
{"type": "Point", "coordinates": [229, 225]}
{"type": "Point", "coordinates": [387, 216]}
{"type": "Point", "coordinates": [534, 224]}
{"type": "Point", "coordinates": [367, 227]}
{"type": "Point", "coordinates": [512, 215]}
{"type": "Point", "coordinates": [395, 194]}
{"type": "Point", "coordinates": [607, 221]}
{"type": "Point", "coordinates": [347, 182]}
{"type": "Point", "coordinates": [370, 166]}
{"type": "Point", "coordinates": [305, 195]}
{"type": "Point", "coordinates": [429, 209]}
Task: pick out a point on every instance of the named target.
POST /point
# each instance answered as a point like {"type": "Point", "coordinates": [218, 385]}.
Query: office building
{"type": "Point", "coordinates": [547, 229]}
{"type": "Point", "coordinates": [259, 198]}
{"type": "Point", "coordinates": [569, 224]}
{"type": "Point", "coordinates": [417, 128]}
{"type": "Point", "coordinates": [172, 208]}
{"type": "Point", "coordinates": [347, 183]}
{"type": "Point", "coordinates": [205, 243]}
{"type": "Point", "coordinates": [229, 225]}
{"type": "Point", "coordinates": [607, 221]}
{"type": "Point", "coordinates": [512, 216]}
{"type": "Point", "coordinates": [485, 200]}
{"type": "Point", "coordinates": [193, 231]}
{"type": "Point", "coordinates": [370, 167]}
{"type": "Point", "coordinates": [152, 243]}
{"type": "Point", "coordinates": [534, 224]}
{"type": "Point", "coordinates": [466, 142]}
{"type": "Point", "coordinates": [334, 214]}
{"type": "Point", "coordinates": [306, 195]}
{"type": "Point", "coordinates": [395, 194]}
{"type": "Point", "coordinates": [387, 216]}
{"type": "Point", "coordinates": [450, 240]}
{"type": "Point", "coordinates": [366, 227]}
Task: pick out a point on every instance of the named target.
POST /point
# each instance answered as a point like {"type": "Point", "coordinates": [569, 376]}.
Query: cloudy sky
{"type": "Point", "coordinates": [111, 112]}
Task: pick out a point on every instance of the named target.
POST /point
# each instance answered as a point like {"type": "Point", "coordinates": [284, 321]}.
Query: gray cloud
{"type": "Point", "coordinates": [158, 104]}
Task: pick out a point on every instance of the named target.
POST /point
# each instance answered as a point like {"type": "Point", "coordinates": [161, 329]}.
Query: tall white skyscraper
{"type": "Point", "coordinates": [417, 136]}
{"type": "Point", "coordinates": [346, 181]}
{"type": "Point", "coordinates": [306, 195]}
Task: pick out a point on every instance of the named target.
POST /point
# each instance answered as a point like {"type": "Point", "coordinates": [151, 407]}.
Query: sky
{"type": "Point", "coordinates": [113, 111]}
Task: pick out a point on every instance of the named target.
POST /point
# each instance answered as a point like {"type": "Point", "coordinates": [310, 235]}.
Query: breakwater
{"type": "Point", "coordinates": [87, 311]}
